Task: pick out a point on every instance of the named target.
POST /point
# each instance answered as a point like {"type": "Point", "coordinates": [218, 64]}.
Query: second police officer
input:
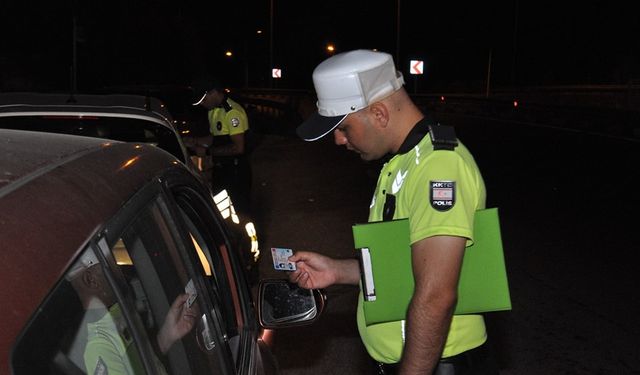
{"type": "Point", "coordinates": [227, 143]}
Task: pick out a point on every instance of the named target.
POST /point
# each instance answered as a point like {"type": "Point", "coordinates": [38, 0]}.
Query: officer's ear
{"type": "Point", "coordinates": [379, 112]}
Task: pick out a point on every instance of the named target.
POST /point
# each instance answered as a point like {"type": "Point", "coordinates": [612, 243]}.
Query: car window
{"type": "Point", "coordinates": [79, 328]}
{"type": "Point", "coordinates": [169, 295]}
{"type": "Point", "coordinates": [116, 128]}
{"type": "Point", "coordinates": [224, 279]}
{"type": "Point", "coordinates": [86, 326]}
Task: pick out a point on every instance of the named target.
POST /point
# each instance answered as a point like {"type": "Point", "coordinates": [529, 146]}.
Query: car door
{"type": "Point", "coordinates": [154, 269]}
{"type": "Point", "coordinates": [167, 248]}
{"type": "Point", "coordinates": [182, 221]}
{"type": "Point", "coordinates": [223, 271]}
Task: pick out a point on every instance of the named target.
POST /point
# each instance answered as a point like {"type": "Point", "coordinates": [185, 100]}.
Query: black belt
{"type": "Point", "coordinates": [464, 362]}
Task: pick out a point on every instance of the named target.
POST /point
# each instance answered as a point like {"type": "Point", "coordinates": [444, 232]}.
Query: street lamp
{"type": "Point", "coordinates": [331, 49]}
{"type": "Point", "coordinates": [271, 40]}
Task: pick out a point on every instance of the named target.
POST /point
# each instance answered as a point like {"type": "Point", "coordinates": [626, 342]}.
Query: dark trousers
{"type": "Point", "coordinates": [477, 361]}
{"type": "Point", "coordinates": [233, 174]}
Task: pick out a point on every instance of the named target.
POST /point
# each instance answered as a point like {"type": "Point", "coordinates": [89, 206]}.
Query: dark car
{"type": "Point", "coordinates": [105, 244]}
{"type": "Point", "coordinates": [127, 118]}
{"type": "Point", "coordinates": [176, 98]}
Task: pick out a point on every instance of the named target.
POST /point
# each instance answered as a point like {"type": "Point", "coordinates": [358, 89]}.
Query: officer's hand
{"type": "Point", "coordinates": [179, 321]}
{"type": "Point", "coordinates": [313, 271]}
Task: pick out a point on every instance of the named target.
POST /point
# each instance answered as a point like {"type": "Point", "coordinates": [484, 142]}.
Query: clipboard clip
{"type": "Point", "coordinates": [366, 273]}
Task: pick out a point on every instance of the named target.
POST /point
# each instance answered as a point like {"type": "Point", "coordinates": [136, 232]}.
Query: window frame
{"type": "Point", "coordinates": [203, 206]}
{"type": "Point", "coordinates": [155, 193]}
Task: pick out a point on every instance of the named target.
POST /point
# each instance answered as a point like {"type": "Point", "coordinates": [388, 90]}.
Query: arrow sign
{"type": "Point", "coordinates": [276, 73]}
{"type": "Point", "coordinates": [416, 67]}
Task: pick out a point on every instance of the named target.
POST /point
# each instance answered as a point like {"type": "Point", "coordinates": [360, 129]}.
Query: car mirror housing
{"type": "Point", "coordinates": [284, 304]}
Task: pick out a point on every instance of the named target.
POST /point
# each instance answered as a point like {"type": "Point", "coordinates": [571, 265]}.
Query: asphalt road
{"type": "Point", "coordinates": [567, 204]}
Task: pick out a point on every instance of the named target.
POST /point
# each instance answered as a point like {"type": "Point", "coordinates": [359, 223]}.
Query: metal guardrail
{"type": "Point", "coordinates": [601, 109]}
{"type": "Point", "coordinates": [279, 111]}
{"type": "Point", "coordinates": [622, 123]}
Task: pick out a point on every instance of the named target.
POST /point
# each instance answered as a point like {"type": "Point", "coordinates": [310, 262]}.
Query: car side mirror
{"type": "Point", "coordinates": [284, 304]}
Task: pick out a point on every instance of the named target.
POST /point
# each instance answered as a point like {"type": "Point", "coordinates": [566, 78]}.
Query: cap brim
{"type": "Point", "coordinates": [317, 126]}
{"type": "Point", "coordinates": [198, 100]}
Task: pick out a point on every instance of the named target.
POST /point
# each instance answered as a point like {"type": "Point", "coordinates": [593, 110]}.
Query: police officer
{"type": "Point", "coordinates": [229, 126]}
{"type": "Point", "coordinates": [429, 178]}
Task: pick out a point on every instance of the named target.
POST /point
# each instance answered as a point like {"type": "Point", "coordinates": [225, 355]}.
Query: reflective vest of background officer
{"type": "Point", "coordinates": [228, 124]}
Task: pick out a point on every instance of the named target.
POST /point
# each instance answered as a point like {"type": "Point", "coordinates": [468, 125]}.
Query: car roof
{"type": "Point", "coordinates": [24, 154]}
{"type": "Point", "coordinates": [26, 103]}
{"type": "Point", "coordinates": [56, 191]}
{"type": "Point", "coordinates": [156, 90]}
{"type": "Point", "coordinates": [89, 107]}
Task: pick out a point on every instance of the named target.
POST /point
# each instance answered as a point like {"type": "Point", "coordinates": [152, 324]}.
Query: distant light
{"type": "Point", "coordinates": [258, 31]}
{"type": "Point", "coordinates": [515, 103]}
{"type": "Point", "coordinates": [442, 98]}
{"type": "Point", "coordinates": [228, 53]}
{"type": "Point", "coordinates": [331, 48]}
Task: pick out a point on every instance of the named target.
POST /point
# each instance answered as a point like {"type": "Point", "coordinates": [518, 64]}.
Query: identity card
{"type": "Point", "coordinates": [281, 259]}
{"type": "Point", "coordinates": [190, 289]}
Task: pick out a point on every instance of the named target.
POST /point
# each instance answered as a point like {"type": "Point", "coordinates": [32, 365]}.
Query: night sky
{"type": "Point", "coordinates": [172, 42]}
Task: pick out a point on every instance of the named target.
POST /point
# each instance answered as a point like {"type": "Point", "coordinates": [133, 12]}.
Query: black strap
{"type": "Point", "coordinates": [389, 207]}
{"type": "Point", "coordinates": [443, 137]}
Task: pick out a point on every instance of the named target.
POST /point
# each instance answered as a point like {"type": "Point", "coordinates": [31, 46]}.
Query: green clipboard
{"type": "Point", "coordinates": [387, 278]}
